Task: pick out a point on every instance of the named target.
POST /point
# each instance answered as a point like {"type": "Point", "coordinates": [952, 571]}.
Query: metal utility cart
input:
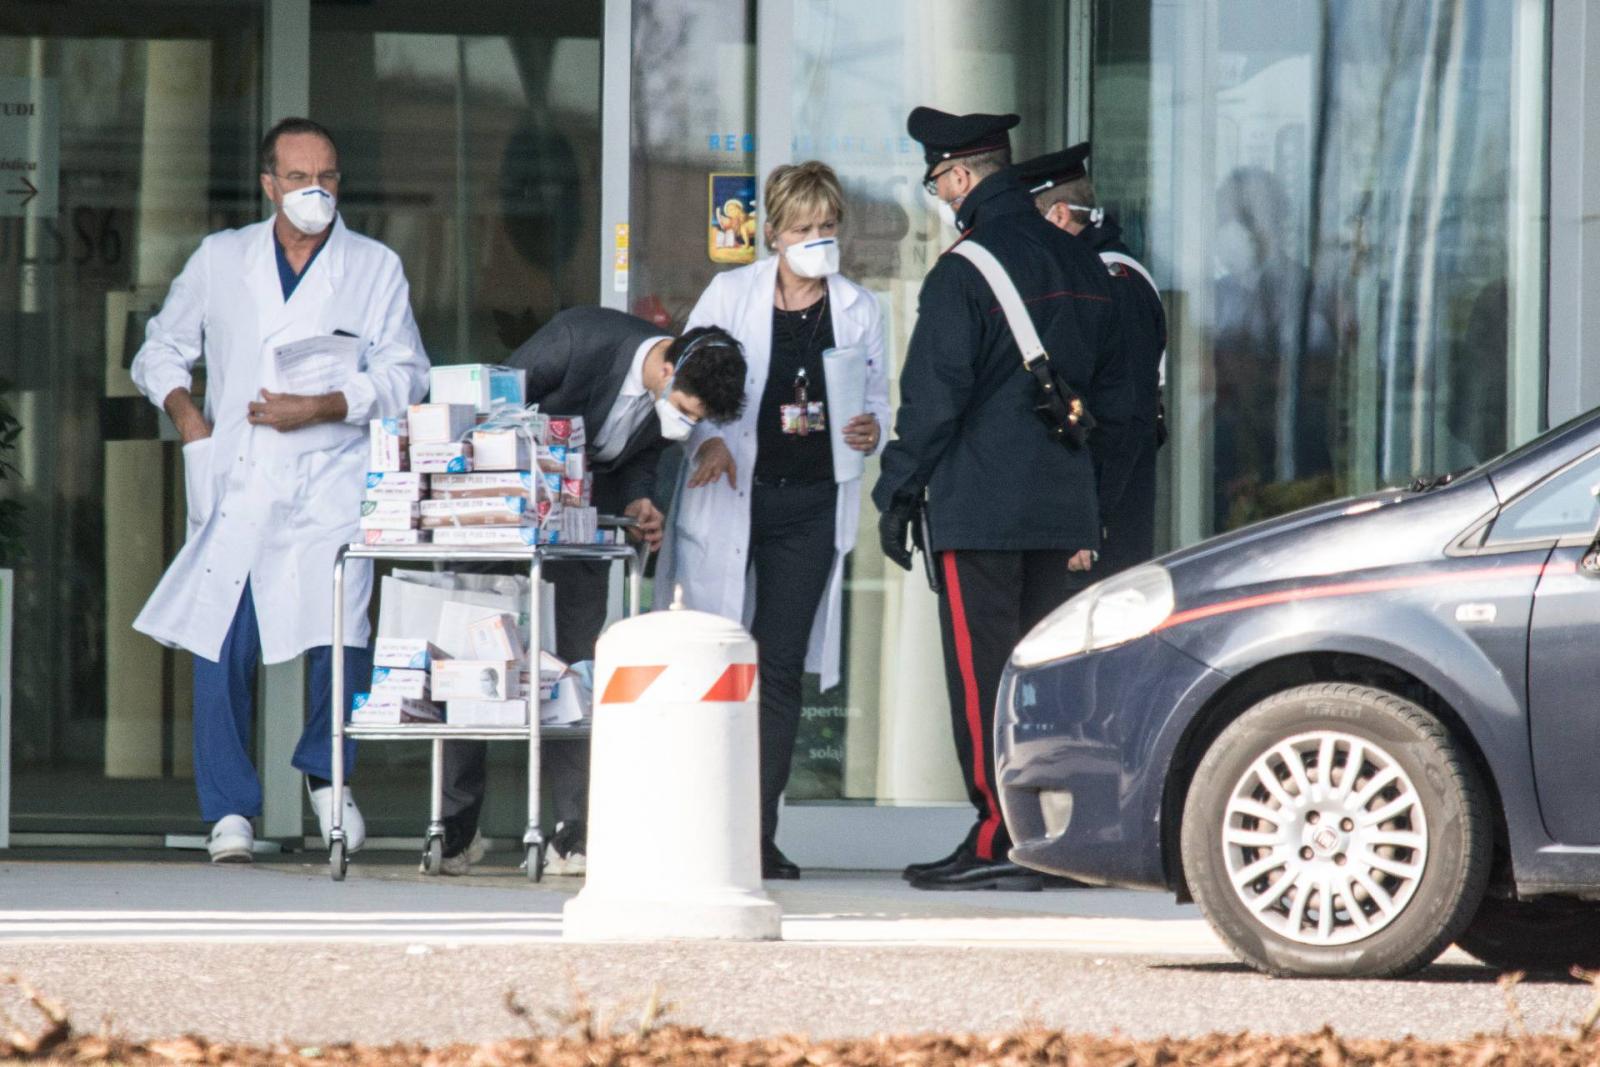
{"type": "Point", "coordinates": [534, 556]}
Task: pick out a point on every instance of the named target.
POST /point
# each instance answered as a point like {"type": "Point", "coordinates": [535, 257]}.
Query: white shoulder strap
{"type": "Point", "coordinates": [1132, 264]}
{"type": "Point", "coordinates": [1005, 290]}
{"type": "Point", "coordinates": [1118, 259]}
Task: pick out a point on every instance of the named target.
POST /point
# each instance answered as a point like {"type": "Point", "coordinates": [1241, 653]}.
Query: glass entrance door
{"type": "Point", "coordinates": [141, 140]}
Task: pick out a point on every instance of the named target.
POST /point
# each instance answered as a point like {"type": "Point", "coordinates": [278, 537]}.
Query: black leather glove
{"type": "Point", "coordinates": [893, 526]}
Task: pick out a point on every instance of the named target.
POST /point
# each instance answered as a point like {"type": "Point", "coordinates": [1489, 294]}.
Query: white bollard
{"type": "Point", "coordinates": [674, 828]}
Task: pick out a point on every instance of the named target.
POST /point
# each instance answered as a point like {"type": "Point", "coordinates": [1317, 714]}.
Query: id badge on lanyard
{"type": "Point", "coordinates": [804, 416]}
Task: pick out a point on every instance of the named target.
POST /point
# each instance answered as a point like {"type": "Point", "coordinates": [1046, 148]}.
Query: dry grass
{"type": "Point", "coordinates": [583, 1036]}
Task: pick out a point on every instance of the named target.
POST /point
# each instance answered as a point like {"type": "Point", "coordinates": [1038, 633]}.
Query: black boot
{"type": "Point", "coordinates": [914, 871]}
{"type": "Point", "coordinates": [775, 865]}
{"type": "Point", "coordinates": [974, 873]}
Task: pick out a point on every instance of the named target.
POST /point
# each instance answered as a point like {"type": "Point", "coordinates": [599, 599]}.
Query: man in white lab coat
{"type": "Point", "coordinates": [273, 460]}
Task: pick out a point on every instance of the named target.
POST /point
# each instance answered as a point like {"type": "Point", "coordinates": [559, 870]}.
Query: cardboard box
{"type": "Point", "coordinates": [395, 485]}
{"type": "Point", "coordinates": [411, 682]}
{"type": "Point", "coordinates": [438, 424]}
{"type": "Point", "coordinates": [566, 430]}
{"type": "Point", "coordinates": [408, 652]}
{"type": "Point", "coordinates": [551, 459]}
{"type": "Point", "coordinates": [579, 525]}
{"type": "Point", "coordinates": [482, 484]}
{"type": "Point", "coordinates": [496, 638]}
{"type": "Point", "coordinates": [382, 709]}
{"type": "Point", "coordinates": [388, 514]}
{"type": "Point", "coordinates": [485, 386]}
{"type": "Point", "coordinates": [486, 536]}
{"type": "Point", "coordinates": [387, 441]}
{"type": "Point", "coordinates": [486, 712]}
{"type": "Point", "coordinates": [393, 538]}
{"type": "Point", "coordinates": [574, 493]}
{"type": "Point", "coordinates": [475, 511]}
{"type": "Point", "coordinates": [500, 449]}
{"type": "Point", "coordinates": [475, 679]}
{"type": "Point", "coordinates": [450, 457]}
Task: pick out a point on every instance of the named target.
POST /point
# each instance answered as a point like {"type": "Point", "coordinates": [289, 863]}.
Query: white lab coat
{"type": "Point", "coordinates": [267, 507]}
{"type": "Point", "coordinates": [706, 551]}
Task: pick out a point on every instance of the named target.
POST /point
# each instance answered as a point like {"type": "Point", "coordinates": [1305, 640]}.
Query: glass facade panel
{"type": "Point", "coordinates": [157, 119]}
{"type": "Point", "coordinates": [469, 140]}
{"type": "Point", "coordinates": [1337, 198]}
{"type": "Point", "coordinates": [884, 734]}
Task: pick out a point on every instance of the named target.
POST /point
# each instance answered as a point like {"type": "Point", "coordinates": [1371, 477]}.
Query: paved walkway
{"type": "Point", "coordinates": [387, 901]}
{"type": "Point", "coordinates": [279, 952]}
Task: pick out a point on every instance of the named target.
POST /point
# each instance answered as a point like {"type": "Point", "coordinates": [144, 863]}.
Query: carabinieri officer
{"type": "Point", "coordinates": [1011, 509]}
{"type": "Point", "coordinates": [1126, 469]}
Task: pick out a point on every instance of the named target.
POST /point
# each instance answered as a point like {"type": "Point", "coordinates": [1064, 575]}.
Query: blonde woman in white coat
{"type": "Point", "coordinates": [762, 528]}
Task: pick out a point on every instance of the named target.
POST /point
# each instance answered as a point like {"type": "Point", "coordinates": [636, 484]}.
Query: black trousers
{"type": "Point", "coordinates": [989, 601]}
{"type": "Point", "coordinates": [791, 556]}
{"type": "Point", "coordinates": [580, 615]}
{"type": "Point", "coordinates": [1131, 530]}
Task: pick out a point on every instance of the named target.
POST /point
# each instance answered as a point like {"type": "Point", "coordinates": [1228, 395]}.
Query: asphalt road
{"type": "Point", "coordinates": [379, 993]}
{"type": "Point", "coordinates": [280, 953]}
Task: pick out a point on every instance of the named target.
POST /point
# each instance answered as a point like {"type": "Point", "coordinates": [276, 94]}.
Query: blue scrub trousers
{"type": "Point", "coordinates": [224, 717]}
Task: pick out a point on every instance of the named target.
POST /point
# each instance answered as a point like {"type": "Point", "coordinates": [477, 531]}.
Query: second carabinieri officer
{"type": "Point", "coordinates": [1011, 508]}
{"type": "Point", "coordinates": [1126, 468]}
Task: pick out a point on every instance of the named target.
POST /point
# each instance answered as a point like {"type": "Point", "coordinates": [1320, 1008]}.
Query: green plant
{"type": "Point", "coordinates": [13, 546]}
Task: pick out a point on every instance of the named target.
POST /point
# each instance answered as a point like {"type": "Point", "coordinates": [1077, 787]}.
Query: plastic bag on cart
{"type": "Point", "coordinates": [413, 604]}
{"type": "Point", "coordinates": [565, 695]}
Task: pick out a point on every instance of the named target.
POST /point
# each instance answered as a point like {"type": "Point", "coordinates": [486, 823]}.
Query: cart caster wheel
{"type": "Point", "coordinates": [433, 856]}
{"type": "Point", "coordinates": [535, 863]}
{"type": "Point", "coordinates": [338, 861]}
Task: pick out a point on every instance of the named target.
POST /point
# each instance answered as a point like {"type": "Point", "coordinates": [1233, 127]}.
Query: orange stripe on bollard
{"type": "Point", "coordinates": [734, 685]}
{"type": "Point", "coordinates": [628, 684]}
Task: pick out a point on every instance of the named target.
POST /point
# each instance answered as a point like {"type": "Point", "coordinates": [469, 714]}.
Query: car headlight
{"type": "Point", "coordinates": [1121, 608]}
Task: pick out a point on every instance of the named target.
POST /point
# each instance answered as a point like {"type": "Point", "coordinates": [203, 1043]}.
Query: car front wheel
{"type": "Point", "coordinates": [1334, 830]}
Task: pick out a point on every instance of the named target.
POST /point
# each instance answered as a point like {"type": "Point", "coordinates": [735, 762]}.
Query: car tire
{"type": "Point", "coordinates": [1401, 849]}
{"type": "Point", "coordinates": [1540, 935]}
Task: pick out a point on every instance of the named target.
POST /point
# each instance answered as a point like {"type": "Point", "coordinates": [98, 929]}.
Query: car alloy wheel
{"type": "Point", "coordinates": [1325, 838]}
{"type": "Point", "coordinates": [1335, 830]}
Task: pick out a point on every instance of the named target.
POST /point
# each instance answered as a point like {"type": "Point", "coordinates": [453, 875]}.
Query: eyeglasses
{"type": "Point", "coordinates": [299, 179]}
{"type": "Point", "coordinates": [931, 182]}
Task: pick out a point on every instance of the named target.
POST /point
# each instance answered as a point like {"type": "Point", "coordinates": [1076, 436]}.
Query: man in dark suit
{"type": "Point", "coordinates": [637, 389]}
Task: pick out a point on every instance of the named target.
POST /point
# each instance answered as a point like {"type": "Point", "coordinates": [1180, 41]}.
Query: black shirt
{"type": "Point", "coordinates": [798, 340]}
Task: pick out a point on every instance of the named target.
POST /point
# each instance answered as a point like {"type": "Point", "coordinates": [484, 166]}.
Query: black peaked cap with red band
{"type": "Point", "coordinates": [946, 136]}
{"type": "Point", "coordinates": [1054, 168]}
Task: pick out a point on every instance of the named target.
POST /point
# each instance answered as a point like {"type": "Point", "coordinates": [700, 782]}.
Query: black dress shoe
{"type": "Point", "coordinates": [776, 866]}
{"type": "Point", "coordinates": [975, 873]}
{"type": "Point", "coordinates": [914, 871]}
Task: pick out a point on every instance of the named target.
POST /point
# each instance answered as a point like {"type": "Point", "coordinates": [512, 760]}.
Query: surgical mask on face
{"type": "Point", "coordinates": [675, 425]}
{"type": "Point", "coordinates": [814, 259]}
{"type": "Point", "coordinates": [1096, 215]}
{"type": "Point", "coordinates": [309, 210]}
{"type": "Point", "coordinates": [947, 214]}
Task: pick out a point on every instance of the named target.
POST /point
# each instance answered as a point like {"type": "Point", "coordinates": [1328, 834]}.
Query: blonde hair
{"type": "Point", "coordinates": [799, 191]}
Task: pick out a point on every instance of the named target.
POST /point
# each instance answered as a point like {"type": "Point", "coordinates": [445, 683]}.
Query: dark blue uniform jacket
{"type": "Point", "coordinates": [1126, 467]}
{"type": "Point", "coordinates": [965, 430]}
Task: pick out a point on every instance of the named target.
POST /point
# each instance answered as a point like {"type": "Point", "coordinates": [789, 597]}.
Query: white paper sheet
{"type": "Point", "coordinates": [317, 365]}
{"type": "Point", "coordinates": [846, 372]}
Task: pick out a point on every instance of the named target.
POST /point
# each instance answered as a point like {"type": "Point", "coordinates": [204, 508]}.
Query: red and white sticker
{"type": "Point", "coordinates": [685, 684]}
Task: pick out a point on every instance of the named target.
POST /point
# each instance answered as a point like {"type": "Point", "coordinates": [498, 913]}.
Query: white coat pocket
{"type": "Point", "coordinates": [199, 485]}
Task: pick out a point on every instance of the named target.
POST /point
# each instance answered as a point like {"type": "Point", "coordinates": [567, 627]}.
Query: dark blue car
{"type": "Point", "coordinates": [1354, 735]}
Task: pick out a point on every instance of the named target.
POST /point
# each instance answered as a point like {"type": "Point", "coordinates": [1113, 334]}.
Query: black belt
{"type": "Point", "coordinates": [792, 483]}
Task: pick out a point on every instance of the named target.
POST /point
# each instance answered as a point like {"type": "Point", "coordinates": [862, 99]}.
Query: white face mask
{"type": "Point", "coordinates": [675, 425]}
{"type": "Point", "coordinates": [309, 210]}
{"type": "Point", "coordinates": [814, 259]}
{"type": "Point", "coordinates": [947, 213]}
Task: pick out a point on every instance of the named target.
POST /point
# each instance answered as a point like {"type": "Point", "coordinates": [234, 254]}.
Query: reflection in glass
{"type": "Point", "coordinates": [1330, 190]}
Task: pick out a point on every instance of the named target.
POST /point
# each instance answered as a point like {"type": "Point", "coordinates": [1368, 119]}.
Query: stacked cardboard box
{"type": "Point", "coordinates": [474, 467]}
